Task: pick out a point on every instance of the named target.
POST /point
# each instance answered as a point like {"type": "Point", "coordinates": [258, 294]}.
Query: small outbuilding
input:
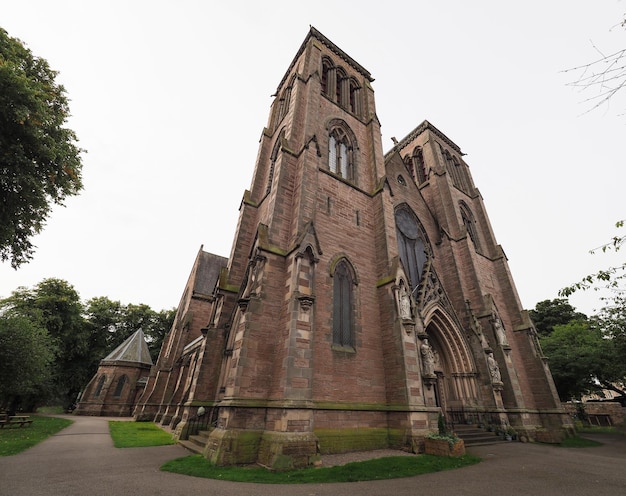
{"type": "Point", "coordinates": [119, 381]}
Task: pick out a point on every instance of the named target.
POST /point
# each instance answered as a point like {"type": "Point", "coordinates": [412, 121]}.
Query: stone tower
{"type": "Point", "coordinates": [365, 294]}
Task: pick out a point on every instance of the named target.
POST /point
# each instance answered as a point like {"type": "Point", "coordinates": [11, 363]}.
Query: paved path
{"type": "Point", "coordinates": [81, 460]}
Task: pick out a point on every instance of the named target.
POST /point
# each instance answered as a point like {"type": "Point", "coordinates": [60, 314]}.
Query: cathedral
{"type": "Point", "coordinates": [365, 295]}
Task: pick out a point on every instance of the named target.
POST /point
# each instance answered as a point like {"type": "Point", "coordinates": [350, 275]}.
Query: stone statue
{"type": "Point", "coordinates": [428, 359]}
{"type": "Point", "coordinates": [500, 334]}
{"type": "Point", "coordinates": [494, 370]}
{"type": "Point", "coordinates": [405, 303]}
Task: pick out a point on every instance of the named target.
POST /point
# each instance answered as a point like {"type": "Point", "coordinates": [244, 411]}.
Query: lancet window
{"type": "Point", "coordinates": [470, 224]}
{"type": "Point", "coordinates": [99, 386]}
{"type": "Point", "coordinates": [120, 386]}
{"type": "Point", "coordinates": [343, 304]}
{"type": "Point", "coordinates": [340, 88]}
{"type": "Point", "coordinates": [415, 164]}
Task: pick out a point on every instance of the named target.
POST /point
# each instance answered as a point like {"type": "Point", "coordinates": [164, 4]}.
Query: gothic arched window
{"type": "Point", "coordinates": [328, 77]}
{"type": "Point", "coordinates": [100, 385]}
{"type": "Point", "coordinates": [411, 247]}
{"type": "Point", "coordinates": [285, 100]}
{"type": "Point", "coordinates": [470, 224]}
{"type": "Point", "coordinates": [343, 305]}
{"type": "Point", "coordinates": [340, 157]}
{"type": "Point", "coordinates": [120, 386]}
{"type": "Point", "coordinates": [339, 87]}
{"type": "Point", "coordinates": [418, 165]}
{"type": "Point", "coordinates": [355, 98]}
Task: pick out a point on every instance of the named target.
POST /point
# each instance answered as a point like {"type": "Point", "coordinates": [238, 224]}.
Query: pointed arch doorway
{"type": "Point", "coordinates": [455, 385]}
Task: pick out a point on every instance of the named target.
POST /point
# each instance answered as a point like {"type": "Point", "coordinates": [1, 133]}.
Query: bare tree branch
{"type": "Point", "coordinates": [605, 76]}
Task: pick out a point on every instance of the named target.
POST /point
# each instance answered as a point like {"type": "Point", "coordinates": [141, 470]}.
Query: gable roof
{"type": "Point", "coordinates": [134, 349]}
{"type": "Point", "coordinates": [207, 272]}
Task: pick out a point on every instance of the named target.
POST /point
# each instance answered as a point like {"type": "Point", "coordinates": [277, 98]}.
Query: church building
{"type": "Point", "coordinates": [364, 296]}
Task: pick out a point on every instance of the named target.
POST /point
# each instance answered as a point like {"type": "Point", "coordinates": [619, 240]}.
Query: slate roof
{"type": "Point", "coordinates": [134, 349]}
{"type": "Point", "coordinates": [208, 271]}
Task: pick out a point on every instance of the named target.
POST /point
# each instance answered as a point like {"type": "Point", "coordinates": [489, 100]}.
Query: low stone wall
{"type": "Point", "coordinates": [616, 413]}
{"type": "Point", "coordinates": [333, 441]}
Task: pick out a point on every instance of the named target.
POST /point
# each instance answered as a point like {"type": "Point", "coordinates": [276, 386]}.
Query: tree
{"type": "Point", "coordinates": [606, 76]}
{"type": "Point", "coordinates": [163, 321]}
{"type": "Point", "coordinates": [103, 317]}
{"type": "Point", "coordinates": [612, 321]}
{"type": "Point", "coordinates": [549, 313]}
{"type": "Point", "coordinates": [608, 326]}
{"type": "Point", "coordinates": [26, 355]}
{"type": "Point", "coordinates": [611, 278]}
{"type": "Point", "coordinates": [80, 335]}
{"type": "Point", "coordinates": [112, 323]}
{"type": "Point", "coordinates": [55, 305]}
{"type": "Point", "coordinates": [40, 164]}
{"type": "Point", "coordinates": [580, 358]}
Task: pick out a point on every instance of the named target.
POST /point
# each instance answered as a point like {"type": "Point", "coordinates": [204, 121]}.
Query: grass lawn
{"type": "Point", "coordinates": [128, 434]}
{"type": "Point", "coordinates": [579, 442]}
{"type": "Point", "coordinates": [14, 440]}
{"type": "Point", "coordinates": [621, 429]}
{"type": "Point", "coordinates": [379, 469]}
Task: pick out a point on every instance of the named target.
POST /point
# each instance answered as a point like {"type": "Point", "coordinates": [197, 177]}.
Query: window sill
{"type": "Point", "coordinates": [343, 349]}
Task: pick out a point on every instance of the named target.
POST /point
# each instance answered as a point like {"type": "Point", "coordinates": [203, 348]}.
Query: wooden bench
{"type": "Point", "coordinates": [11, 420]}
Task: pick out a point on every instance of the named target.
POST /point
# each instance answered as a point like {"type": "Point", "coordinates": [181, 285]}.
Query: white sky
{"type": "Point", "coordinates": [169, 98]}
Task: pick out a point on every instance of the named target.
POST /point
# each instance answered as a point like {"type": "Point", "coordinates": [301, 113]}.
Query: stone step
{"type": "Point", "coordinates": [196, 442]}
{"type": "Point", "coordinates": [475, 436]}
{"type": "Point", "coordinates": [191, 446]}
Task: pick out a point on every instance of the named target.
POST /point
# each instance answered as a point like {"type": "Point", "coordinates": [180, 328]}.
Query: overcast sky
{"type": "Point", "coordinates": [169, 98]}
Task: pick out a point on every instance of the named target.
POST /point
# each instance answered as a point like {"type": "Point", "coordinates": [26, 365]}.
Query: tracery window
{"type": "Point", "coordinates": [343, 305]}
{"type": "Point", "coordinates": [340, 156]}
{"type": "Point", "coordinates": [411, 246]}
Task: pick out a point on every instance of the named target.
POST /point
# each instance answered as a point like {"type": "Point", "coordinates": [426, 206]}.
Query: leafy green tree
{"type": "Point", "coordinates": [40, 164]}
{"type": "Point", "coordinates": [612, 278]}
{"type": "Point", "coordinates": [163, 321]}
{"type": "Point", "coordinates": [26, 356]}
{"type": "Point", "coordinates": [112, 323]}
{"type": "Point", "coordinates": [81, 335]}
{"type": "Point", "coordinates": [612, 321]}
{"type": "Point", "coordinates": [103, 317]}
{"type": "Point", "coordinates": [549, 313]}
{"type": "Point", "coordinates": [580, 358]}
{"type": "Point", "coordinates": [55, 305]}
{"type": "Point", "coordinates": [155, 325]}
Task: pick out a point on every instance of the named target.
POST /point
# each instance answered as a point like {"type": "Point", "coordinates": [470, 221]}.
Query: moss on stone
{"type": "Point", "coordinates": [233, 447]}
{"type": "Point", "coordinates": [345, 440]}
{"type": "Point", "coordinates": [384, 281]}
{"type": "Point", "coordinates": [288, 450]}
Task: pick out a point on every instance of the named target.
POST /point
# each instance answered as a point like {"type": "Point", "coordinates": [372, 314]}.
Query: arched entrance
{"type": "Point", "coordinates": [455, 387]}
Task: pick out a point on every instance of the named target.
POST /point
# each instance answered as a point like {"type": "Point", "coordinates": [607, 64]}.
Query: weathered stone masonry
{"type": "Point", "coordinates": [364, 295]}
